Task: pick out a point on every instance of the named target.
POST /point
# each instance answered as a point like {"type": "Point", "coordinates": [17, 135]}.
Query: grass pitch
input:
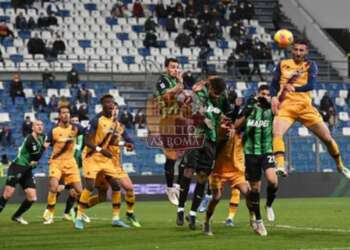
{"type": "Point", "coordinates": [300, 224]}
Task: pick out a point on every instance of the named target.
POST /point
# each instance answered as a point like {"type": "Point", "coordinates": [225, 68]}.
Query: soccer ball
{"type": "Point", "coordinates": [283, 38]}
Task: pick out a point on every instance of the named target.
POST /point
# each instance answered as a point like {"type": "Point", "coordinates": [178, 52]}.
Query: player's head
{"type": "Point", "coordinates": [107, 102]}
{"type": "Point", "coordinates": [171, 66]}
{"type": "Point", "coordinates": [300, 50]}
{"type": "Point", "coordinates": [74, 119]}
{"type": "Point", "coordinates": [38, 127]}
{"type": "Point", "coordinates": [264, 91]}
{"type": "Point", "coordinates": [64, 114]}
{"type": "Point", "coordinates": [216, 86]}
{"type": "Point", "coordinates": [264, 97]}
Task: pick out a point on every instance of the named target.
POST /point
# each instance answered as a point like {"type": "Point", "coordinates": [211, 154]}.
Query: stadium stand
{"type": "Point", "coordinates": [97, 42]}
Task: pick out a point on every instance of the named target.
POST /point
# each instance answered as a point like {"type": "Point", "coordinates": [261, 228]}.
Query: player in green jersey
{"type": "Point", "coordinates": [256, 121]}
{"type": "Point", "coordinates": [201, 160]}
{"type": "Point", "coordinates": [21, 168]}
{"type": "Point", "coordinates": [167, 88]}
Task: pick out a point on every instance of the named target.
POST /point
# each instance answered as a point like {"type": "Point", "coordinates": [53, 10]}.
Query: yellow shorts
{"type": "Point", "coordinates": [217, 181]}
{"type": "Point", "coordinates": [121, 174]}
{"type": "Point", "coordinates": [66, 169]}
{"type": "Point", "coordinates": [93, 165]}
{"type": "Point", "coordinates": [304, 113]}
{"type": "Point", "coordinates": [235, 196]}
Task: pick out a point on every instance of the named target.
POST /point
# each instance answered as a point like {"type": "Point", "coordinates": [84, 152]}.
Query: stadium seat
{"type": "Point", "coordinates": [30, 114]}
{"type": "Point", "coordinates": [4, 117]}
{"type": "Point", "coordinates": [142, 133]}
{"type": "Point", "coordinates": [28, 93]}
{"type": "Point", "coordinates": [51, 92]}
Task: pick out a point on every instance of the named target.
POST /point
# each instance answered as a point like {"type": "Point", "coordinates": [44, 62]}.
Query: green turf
{"type": "Point", "coordinates": [316, 224]}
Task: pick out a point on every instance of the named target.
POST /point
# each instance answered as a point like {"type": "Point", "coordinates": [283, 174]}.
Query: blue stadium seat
{"type": "Point", "coordinates": [24, 34]}
{"type": "Point", "coordinates": [111, 21]}
{"type": "Point", "coordinates": [5, 19]}
{"type": "Point", "coordinates": [223, 44]}
{"type": "Point", "coordinates": [123, 36]}
{"type": "Point", "coordinates": [90, 6]}
{"type": "Point", "coordinates": [182, 59]}
{"type": "Point", "coordinates": [85, 43]}
{"type": "Point", "coordinates": [138, 28]}
{"type": "Point", "coordinates": [64, 13]}
{"type": "Point", "coordinates": [80, 67]}
{"type": "Point", "coordinates": [17, 58]}
{"type": "Point", "coordinates": [152, 7]}
{"type": "Point", "coordinates": [7, 42]}
{"type": "Point", "coordinates": [162, 44]}
{"type": "Point", "coordinates": [144, 52]}
{"type": "Point", "coordinates": [5, 5]}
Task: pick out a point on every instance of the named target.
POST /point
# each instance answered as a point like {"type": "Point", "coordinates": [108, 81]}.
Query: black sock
{"type": "Point", "coordinates": [208, 188]}
{"type": "Point", "coordinates": [69, 204]}
{"type": "Point", "coordinates": [271, 195]}
{"type": "Point", "coordinates": [197, 196]}
{"type": "Point", "coordinates": [3, 202]}
{"type": "Point", "coordinates": [26, 204]}
{"type": "Point", "coordinates": [169, 172]}
{"type": "Point", "coordinates": [184, 188]}
{"type": "Point", "coordinates": [180, 172]}
{"type": "Point", "coordinates": [255, 204]}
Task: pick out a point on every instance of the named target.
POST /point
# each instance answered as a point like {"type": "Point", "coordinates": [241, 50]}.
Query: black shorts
{"type": "Point", "coordinates": [201, 159]}
{"type": "Point", "coordinates": [255, 164]}
{"type": "Point", "coordinates": [20, 174]}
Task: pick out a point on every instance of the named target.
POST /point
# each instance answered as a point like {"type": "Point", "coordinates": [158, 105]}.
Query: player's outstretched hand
{"type": "Point", "coordinates": [289, 87]}
{"type": "Point", "coordinates": [275, 105]}
{"type": "Point", "coordinates": [106, 153]}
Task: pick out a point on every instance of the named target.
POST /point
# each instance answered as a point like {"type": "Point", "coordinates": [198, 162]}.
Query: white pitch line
{"type": "Point", "coordinates": [332, 248]}
{"type": "Point", "coordinates": [318, 229]}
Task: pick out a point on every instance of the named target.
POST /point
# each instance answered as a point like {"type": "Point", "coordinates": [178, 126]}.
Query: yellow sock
{"type": "Point", "coordinates": [83, 202]}
{"type": "Point", "coordinates": [116, 200]}
{"type": "Point", "coordinates": [232, 210]}
{"type": "Point", "coordinates": [93, 200]}
{"type": "Point", "coordinates": [279, 149]}
{"type": "Point", "coordinates": [51, 201]}
{"type": "Point", "coordinates": [234, 202]}
{"type": "Point", "coordinates": [130, 201]}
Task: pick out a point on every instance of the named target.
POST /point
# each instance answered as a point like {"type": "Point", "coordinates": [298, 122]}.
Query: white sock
{"type": "Point", "coordinates": [180, 209]}
{"type": "Point", "coordinates": [192, 213]}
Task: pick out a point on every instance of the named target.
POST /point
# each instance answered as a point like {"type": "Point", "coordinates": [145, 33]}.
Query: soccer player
{"type": "Point", "coordinates": [62, 164]}
{"type": "Point", "coordinates": [168, 86]}
{"type": "Point", "coordinates": [229, 167]}
{"type": "Point", "coordinates": [20, 171]}
{"type": "Point", "coordinates": [293, 81]}
{"type": "Point", "coordinates": [123, 178]}
{"type": "Point", "coordinates": [256, 121]}
{"type": "Point", "coordinates": [96, 156]}
{"type": "Point", "coordinates": [200, 160]}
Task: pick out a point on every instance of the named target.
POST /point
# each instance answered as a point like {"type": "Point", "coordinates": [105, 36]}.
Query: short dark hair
{"type": "Point", "coordinates": [169, 60]}
{"type": "Point", "coordinates": [218, 84]}
{"type": "Point", "coordinates": [63, 107]}
{"type": "Point", "coordinates": [302, 41]}
{"type": "Point", "coordinates": [106, 97]}
{"type": "Point", "coordinates": [74, 115]}
{"type": "Point", "coordinates": [263, 87]}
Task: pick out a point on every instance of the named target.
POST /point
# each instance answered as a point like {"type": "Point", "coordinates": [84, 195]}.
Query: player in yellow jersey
{"type": "Point", "coordinates": [62, 164]}
{"type": "Point", "coordinates": [123, 179]}
{"type": "Point", "coordinates": [229, 167]}
{"type": "Point", "coordinates": [291, 87]}
{"type": "Point", "coordinates": [96, 155]}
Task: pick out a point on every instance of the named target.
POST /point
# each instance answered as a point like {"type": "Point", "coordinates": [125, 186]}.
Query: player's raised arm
{"type": "Point", "coordinates": [246, 111]}
{"type": "Point", "coordinates": [275, 88]}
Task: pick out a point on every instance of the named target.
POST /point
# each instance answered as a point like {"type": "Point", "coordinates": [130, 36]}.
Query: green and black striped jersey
{"type": "Point", "coordinates": [257, 137]}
